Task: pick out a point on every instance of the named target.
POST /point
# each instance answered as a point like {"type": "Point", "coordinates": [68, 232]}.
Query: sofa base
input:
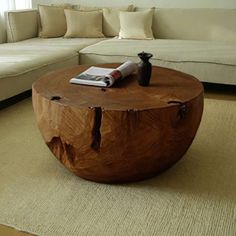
{"type": "Point", "coordinates": [17, 98]}
{"type": "Point", "coordinates": [12, 86]}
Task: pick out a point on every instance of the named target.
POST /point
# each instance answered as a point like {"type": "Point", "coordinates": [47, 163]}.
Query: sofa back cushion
{"type": "Point", "coordinates": [21, 24]}
{"type": "Point", "coordinates": [87, 8]}
{"type": "Point", "coordinates": [195, 24]}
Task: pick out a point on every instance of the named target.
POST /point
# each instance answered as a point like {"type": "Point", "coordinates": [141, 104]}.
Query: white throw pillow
{"type": "Point", "coordinates": [136, 25]}
{"type": "Point", "coordinates": [83, 24]}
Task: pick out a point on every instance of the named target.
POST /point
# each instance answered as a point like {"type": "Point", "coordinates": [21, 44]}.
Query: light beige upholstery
{"type": "Point", "coordinates": [21, 25]}
{"type": "Point", "coordinates": [87, 8]}
{"type": "Point", "coordinates": [64, 5]}
{"type": "Point", "coordinates": [208, 61]}
{"type": "Point", "coordinates": [195, 24]}
{"type": "Point", "coordinates": [201, 42]}
{"type": "Point", "coordinates": [23, 62]}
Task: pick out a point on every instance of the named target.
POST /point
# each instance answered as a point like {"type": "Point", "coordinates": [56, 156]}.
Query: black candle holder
{"type": "Point", "coordinates": [144, 69]}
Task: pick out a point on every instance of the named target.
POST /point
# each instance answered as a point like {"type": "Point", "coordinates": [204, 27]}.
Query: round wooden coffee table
{"type": "Point", "coordinates": [119, 134]}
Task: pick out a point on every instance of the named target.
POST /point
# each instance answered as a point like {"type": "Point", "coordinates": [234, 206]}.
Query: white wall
{"type": "Point", "coordinates": [149, 3]}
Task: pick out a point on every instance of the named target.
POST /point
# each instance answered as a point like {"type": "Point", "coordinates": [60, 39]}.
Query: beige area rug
{"type": "Point", "coordinates": [197, 196]}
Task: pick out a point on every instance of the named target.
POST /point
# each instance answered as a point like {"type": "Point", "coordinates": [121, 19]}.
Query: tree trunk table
{"type": "Point", "coordinates": [119, 134]}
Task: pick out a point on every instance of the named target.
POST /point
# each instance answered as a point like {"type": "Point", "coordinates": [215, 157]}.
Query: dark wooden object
{"type": "Point", "coordinates": [118, 134]}
{"type": "Point", "coordinates": [144, 69]}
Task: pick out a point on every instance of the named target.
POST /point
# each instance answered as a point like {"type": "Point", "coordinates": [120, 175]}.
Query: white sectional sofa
{"type": "Point", "coordinates": [201, 42]}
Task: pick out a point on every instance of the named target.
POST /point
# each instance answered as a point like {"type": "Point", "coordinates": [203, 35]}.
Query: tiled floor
{"type": "Point", "coordinates": [211, 91]}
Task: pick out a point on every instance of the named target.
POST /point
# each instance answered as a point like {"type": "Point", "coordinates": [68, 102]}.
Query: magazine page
{"type": "Point", "coordinates": [99, 71]}
{"type": "Point", "coordinates": [104, 77]}
{"type": "Point", "coordinates": [92, 76]}
{"type": "Point", "coordinates": [121, 72]}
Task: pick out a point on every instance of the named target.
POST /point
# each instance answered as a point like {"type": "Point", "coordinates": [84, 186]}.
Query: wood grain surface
{"type": "Point", "coordinates": [118, 134]}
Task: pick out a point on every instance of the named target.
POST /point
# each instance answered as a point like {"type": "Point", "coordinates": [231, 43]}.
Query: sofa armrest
{"type": "Point", "coordinates": [21, 24]}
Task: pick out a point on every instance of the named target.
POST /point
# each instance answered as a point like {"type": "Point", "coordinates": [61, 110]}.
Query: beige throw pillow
{"type": "Point", "coordinates": [52, 21]}
{"type": "Point", "coordinates": [83, 24]}
{"type": "Point", "coordinates": [111, 20]}
{"type": "Point", "coordinates": [136, 25]}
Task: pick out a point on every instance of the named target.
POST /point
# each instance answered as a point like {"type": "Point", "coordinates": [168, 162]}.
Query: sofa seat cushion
{"type": "Point", "coordinates": [21, 57]}
{"type": "Point", "coordinates": [169, 50]}
{"type": "Point", "coordinates": [199, 58]}
{"type": "Point", "coordinates": [23, 62]}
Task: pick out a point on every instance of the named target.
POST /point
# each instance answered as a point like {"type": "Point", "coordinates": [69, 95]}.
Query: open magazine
{"type": "Point", "coordinates": [104, 77]}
